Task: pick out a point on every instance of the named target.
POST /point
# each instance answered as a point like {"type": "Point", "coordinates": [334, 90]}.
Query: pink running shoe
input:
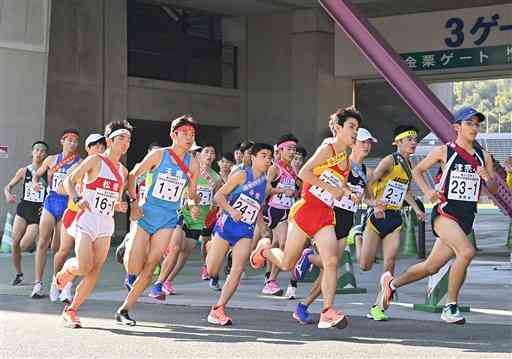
{"type": "Point", "coordinates": [272, 288]}
{"type": "Point", "coordinates": [168, 289]}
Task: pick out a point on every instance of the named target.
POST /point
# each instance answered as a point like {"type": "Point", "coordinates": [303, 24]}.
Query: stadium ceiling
{"type": "Point", "coordinates": [371, 8]}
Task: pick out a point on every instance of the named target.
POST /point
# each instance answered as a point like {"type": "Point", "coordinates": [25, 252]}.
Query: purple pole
{"type": "Point", "coordinates": [413, 91]}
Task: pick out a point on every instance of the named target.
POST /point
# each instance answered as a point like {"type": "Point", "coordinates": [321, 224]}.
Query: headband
{"type": "Point", "coordinates": [185, 128]}
{"type": "Point", "coordinates": [405, 134]}
{"type": "Point", "coordinates": [286, 144]}
{"type": "Point", "coordinates": [40, 145]}
{"type": "Point", "coordinates": [121, 131]}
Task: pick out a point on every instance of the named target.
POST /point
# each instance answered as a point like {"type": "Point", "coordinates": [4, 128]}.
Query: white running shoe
{"type": "Point", "coordinates": [54, 291]}
{"type": "Point", "coordinates": [291, 292]}
{"type": "Point", "coordinates": [37, 292]}
{"type": "Point", "coordinates": [66, 296]}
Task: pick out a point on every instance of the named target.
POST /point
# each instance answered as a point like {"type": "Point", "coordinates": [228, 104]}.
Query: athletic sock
{"type": "Point", "coordinates": [293, 283]}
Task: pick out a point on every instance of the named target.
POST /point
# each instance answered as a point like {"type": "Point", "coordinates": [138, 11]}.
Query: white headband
{"type": "Point", "coordinates": [121, 131]}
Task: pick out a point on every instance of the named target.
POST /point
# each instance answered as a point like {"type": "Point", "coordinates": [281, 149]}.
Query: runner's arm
{"type": "Point", "coordinates": [42, 170]}
{"type": "Point", "coordinates": [437, 155]}
{"type": "Point", "coordinates": [221, 197]}
{"type": "Point", "coordinates": [86, 167]}
{"type": "Point", "coordinates": [151, 160]}
{"type": "Point", "coordinates": [9, 197]}
{"type": "Point", "coordinates": [322, 154]}
{"type": "Point", "coordinates": [489, 173]}
{"type": "Point", "coordinates": [192, 187]}
{"type": "Point", "coordinates": [383, 168]}
{"type": "Point", "coordinates": [271, 177]}
{"type": "Point", "coordinates": [409, 198]}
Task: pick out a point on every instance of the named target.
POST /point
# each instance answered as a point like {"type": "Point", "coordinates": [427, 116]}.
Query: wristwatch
{"type": "Point", "coordinates": [77, 199]}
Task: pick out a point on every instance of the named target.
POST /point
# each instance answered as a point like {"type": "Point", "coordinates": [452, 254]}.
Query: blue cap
{"type": "Point", "coordinates": [465, 114]}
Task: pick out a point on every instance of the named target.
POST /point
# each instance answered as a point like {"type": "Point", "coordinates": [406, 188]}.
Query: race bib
{"type": "Point", "coordinates": [57, 179]}
{"type": "Point", "coordinates": [281, 199]}
{"type": "Point", "coordinates": [464, 186]}
{"type": "Point", "coordinates": [346, 203]}
{"type": "Point", "coordinates": [104, 201]}
{"type": "Point", "coordinates": [168, 187]}
{"type": "Point", "coordinates": [205, 196]}
{"type": "Point", "coordinates": [249, 208]}
{"type": "Point", "coordinates": [31, 195]}
{"type": "Point", "coordinates": [328, 177]}
{"type": "Point", "coordinates": [394, 193]}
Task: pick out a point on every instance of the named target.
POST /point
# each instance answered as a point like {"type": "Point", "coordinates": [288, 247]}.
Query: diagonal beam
{"type": "Point", "coordinates": [413, 91]}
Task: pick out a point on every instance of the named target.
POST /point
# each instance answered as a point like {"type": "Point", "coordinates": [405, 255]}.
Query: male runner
{"type": "Point", "coordinates": [391, 184]}
{"type": "Point", "coordinates": [57, 168]}
{"type": "Point", "coordinates": [226, 163]}
{"type": "Point", "coordinates": [344, 211]}
{"type": "Point", "coordinates": [283, 180]}
{"type": "Point", "coordinates": [464, 167]}
{"type": "Point", "coordinates": [101, 178]}
{"type": "Point", "coordinates": [157, 218]}
{"type": "Point", "coordinates": [208, 183]}
{"type": "Point", "coordinates": [28, 211]}
{"type": "Point", "coordinates": [299, 158]}
{"type": "Point", "coordinates": [94, 144]}
{"type": "Point", "coordinates": [240, 199]}
{"type": "Point", "coordinates": [324, 175]}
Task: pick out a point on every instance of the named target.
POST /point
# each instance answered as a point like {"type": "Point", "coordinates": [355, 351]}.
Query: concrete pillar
{"type": "Point", "coordinates": [315, 92]}
{"type": "Point", "coordinates": [23, 61]}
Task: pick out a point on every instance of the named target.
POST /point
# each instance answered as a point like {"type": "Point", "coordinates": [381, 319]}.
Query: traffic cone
{"type": "Point", "coordinates": [410, 249]}
{"type": "Point", "coordinates": [509, 238]}
{"type": "Point", "coordinates": [437, 290]}
{"type": "Point", "coordinates": [347, 281]}
{"type": "Point", "coordinates": [6, 245]}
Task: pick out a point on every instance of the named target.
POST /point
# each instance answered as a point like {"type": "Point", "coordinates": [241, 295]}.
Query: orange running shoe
{"type": "Point", "coordinates": [331, 318]}
{"type": "Point", "coordinates": [218, 316]}
{"type": "Point", "coordinates": [257, 259]}
{"type": "Point", "coordinates": [70, 318]}
{"type": "Point", "coordinates": [62, 278]}
{"type": "Point", "coordinates": [386, 294]}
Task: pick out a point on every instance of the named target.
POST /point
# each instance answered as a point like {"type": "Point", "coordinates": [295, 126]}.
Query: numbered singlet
{"type": "Point", "coordinates": [60, 174]}
{"type": "Point", "coordinates": [248, 198]}
{"type": "Point", "coordinates": [460, 184]}
{"type": "Point", "coordinates": [357, 184]}
{"type": "Point", "coordinates": [334, 171]}
{"type": "Point", "coordinates": [285, 180]}
{"type": "Point", "coordinates": [29, 193]}
{"type": "Point", "coordinates": [392, 188]}
{"type": "Point", "coordinates": [103, 192]}
{"type": "Point", "coordinates": [168, 182]}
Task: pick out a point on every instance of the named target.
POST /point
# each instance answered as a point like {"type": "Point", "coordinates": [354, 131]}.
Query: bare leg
{"type": "Point", "coordinates": [46, 227]}
{"type": "Point", "coordinates": [371, 241]}
{"type": "Point", "coordinates": [18, 230]}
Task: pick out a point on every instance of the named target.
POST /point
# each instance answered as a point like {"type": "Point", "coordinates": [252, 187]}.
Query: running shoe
{"type": "Point", "coordinates": [376, 313]}
{"type": "Point", "coordinates": [214, 284]}
{"type": "Point", "coordinates": [122, 317]}
{"type": "Point", "coordinates": [386, 294]}
{"type": "Point", "coordinates": [54, 291]}
{"type": "Point", "coordinates": [291, 292]}
{"type": "Point", "coordinates": [302, 315]}
{"type": "Point", "coordinates": [70, 318]}
{"type": "Point", "coordinates": [63, 278]}
{"type": "Point", "coordinates": [18, 279]}
{"type": "Point", "coordinates": [272, 288]}
{"type": "Point", "coordinates": [37, 292]}
{"type": "Point", "coordinates": [157, 292]}
{"type": "Point", "coordinates": [168, 289]}
{"type": "Point", "coordinates": [451, 314]}
{"type": "Point", "coordinates": [204, 273]}
{"type": "Point", "coordinates": [218, 316]}
{"type": "Point", "coordinates": [66, 296]}
{"type": "Point", "coordinates": [129, 279]}
{"type": "Point", "coordinates": [303, 264]}
{"type": "Point", "coordinates": [331, 318]}
{"type": "Point", "coordinates": [257, 259]}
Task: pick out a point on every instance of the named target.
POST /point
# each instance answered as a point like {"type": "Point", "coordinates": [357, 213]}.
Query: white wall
{"type": "Point", "coordinates": [23, 66]}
